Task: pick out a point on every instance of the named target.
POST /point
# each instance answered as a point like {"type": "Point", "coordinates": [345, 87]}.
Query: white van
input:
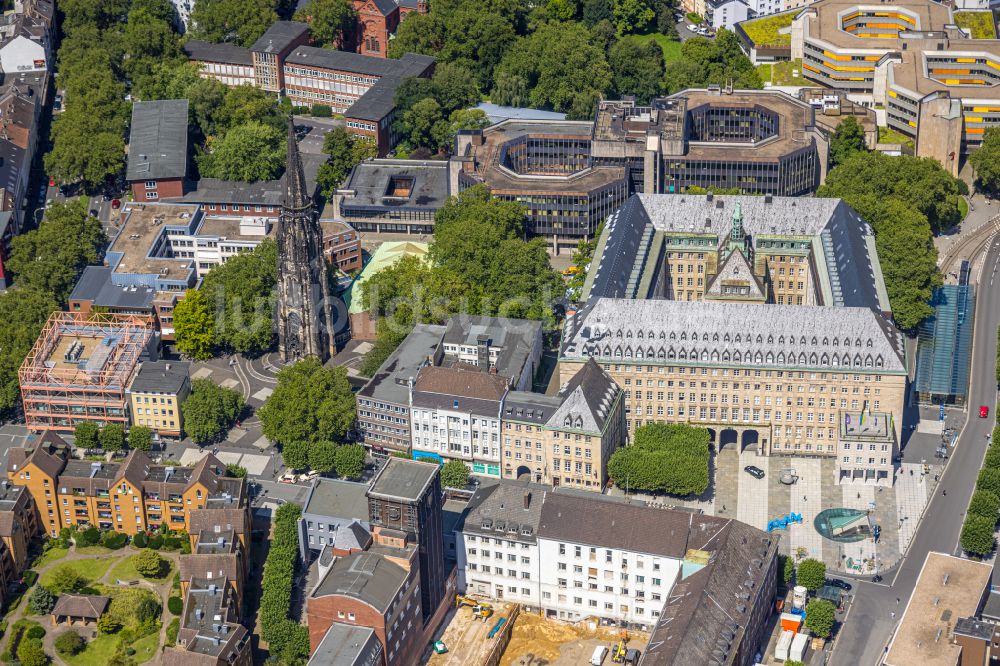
{"type": "Point", "coordinates": [597, 658]}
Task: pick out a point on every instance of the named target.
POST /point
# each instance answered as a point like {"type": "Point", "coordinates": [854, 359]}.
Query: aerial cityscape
{"type": "Point", "coordinates": [503, 333]}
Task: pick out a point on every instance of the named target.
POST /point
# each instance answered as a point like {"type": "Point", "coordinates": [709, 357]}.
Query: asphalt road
{"type": "Point", "coordinates": [869, 624]}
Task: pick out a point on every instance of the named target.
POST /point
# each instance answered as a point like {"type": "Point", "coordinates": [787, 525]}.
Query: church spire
{"type": "Point", "coordinates": [296, 198]}
{"type": "Point", "coordinates": [737, 233]}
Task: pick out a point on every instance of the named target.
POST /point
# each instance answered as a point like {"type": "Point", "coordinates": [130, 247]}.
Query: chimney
{"type": "Point", "coordinates": [527, 499]}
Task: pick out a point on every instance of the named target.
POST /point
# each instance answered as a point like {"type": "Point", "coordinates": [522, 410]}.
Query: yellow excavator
{"type": "Point", "coordinates": [619, 650]}
{"type": "Point", "coordinates": [479, 609]}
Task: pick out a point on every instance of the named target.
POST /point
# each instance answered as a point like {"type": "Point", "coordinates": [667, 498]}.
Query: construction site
{"type": "Point", "coordinates": [538, 641]}
{"type": "Point", "coordinates": [474, 633]}
{"type": "Point", "coordinates": [80, 367]}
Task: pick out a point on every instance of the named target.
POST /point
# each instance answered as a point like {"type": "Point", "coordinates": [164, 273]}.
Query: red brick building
{"type": "Point", "coordinates": [341, 245]}
{"type": "Point", "coordinates": [377, 21]}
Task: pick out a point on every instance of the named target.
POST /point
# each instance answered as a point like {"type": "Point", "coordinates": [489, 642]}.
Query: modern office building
{"type": "Point", "coordinates": [131, 496]}
{"type": "Point", "coordinates": [80, 367]}
{"type": "Point", "coordinates": [394, 196]}
{"type": "Point", "coordinates": [936, 83]}
{"type": "Point", "coordinates": [572, 175]}
{"type": "Point", "coordinates": [627, 564]}
{"type": "Point", "coordinates": [156, 394]}
{"type": "Point", "coordinates": [341, 245]}
{"type": "Point", "coordinates": [565, 439]}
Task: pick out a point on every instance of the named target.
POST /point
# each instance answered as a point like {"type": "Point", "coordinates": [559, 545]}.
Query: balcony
{"type": "Point", "coordinates": [177, 519]}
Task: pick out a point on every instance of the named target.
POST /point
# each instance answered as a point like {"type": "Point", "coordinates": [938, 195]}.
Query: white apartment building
{"type": "Point", "coordinates": [512, 348]}
{"type": "Point", "coordinates": [217, 239]}
{"type": "Point", "coordinates": [455, 414]}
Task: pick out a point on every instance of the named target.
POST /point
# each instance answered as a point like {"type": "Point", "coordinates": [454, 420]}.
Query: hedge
{"type": "Point", "coordinates": [282, 633]}
{"type": "Point", "coordinates": [175, 605]}
{"type": "Point", "coordinates": [984, 506]}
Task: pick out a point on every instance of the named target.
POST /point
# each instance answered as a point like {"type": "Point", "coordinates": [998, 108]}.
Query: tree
{"type": "Point", "coordinates": [295, 454]}
{"type": "Point", "coordinates": [194, 326]}
{"type": "Point", "coordinates": [140, 438]}
{"type": "Point", "coordinates": [85, 434]}
{"type": "Point", "coordinates": [986, 504]}
{"type": "Point", "coordinates": [847, 139]}
{"type": "Point", "coordinates": [148, 563]}
{"type": "Point", "coordinates": [31, 653]}
{"type": "Point", "coordinates": [175, 605]}
{"type": "Point", "coordinates": [249, 152]}
{"type": "Point", "coordinates": [239, 21]}
{"type": "Point", "coordinates": [65, 579]}
{"type": "Point", "coordinates": [672, 458]}
{"type": "Point", "coordinates": [557, 67]}
{"type": "Point", "coordinates": [311, 403]}
{"type": "Point", "coordinates": [986, 161]}
{"type": "Point", "coordinates": [454, 474]}
{"type": "Point", "coordinates": [234, 470]}
{"type": "Point", "coordinates": [719, 61]}
{"type": "Point", "coordinates": [69, 643]}
{"type": "Point", "coordinates": [112, 437]}
{"type": "Point", "coordinates": [42, 601]}
{"type": "Point", "coordinates": [989, 480]}
{"type": "Point", "coordinates": [787, 565]}
{"type": "Point", "coordinates": [90, 536]}
{"type": "Point", "coordinates": [246, 104]}
{"type": "Point", "coordinates": [419, 33]}
{"type": "Point", "coordinates": [209, 410]}
{"type": "Point", "coordinates": [350, 460]}
{"type": "Point", "coordinates": [811, 574]}
{"type": "Point", "coordinates": [424, 124]}
{"type": "Point", "coordinates": [820, 616]}
{"type": "Point", "coordinates": [478, 40]}
{"type": "Point", "coordinates": [242, 292]}
{"type": "Point", "coordinates": [322, 456]}
{"type": "Point", "coordinates": [51, 257]}
{"type": "Point", "coordinates": [977, 535]}
{"type": "Point", "coordinates": [328, 20]}
{"type": "Point", "coordinates": [23, 312]}
{"type": "Point", "coordinates": [346, 151]}
{"type": "Point", "coordinates": [632, 16]}
{"type": "Point", "coordinates": [637, 69]}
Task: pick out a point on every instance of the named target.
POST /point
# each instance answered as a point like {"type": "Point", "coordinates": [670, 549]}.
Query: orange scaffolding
{"type": "Point", "coordinates": [80, 367]}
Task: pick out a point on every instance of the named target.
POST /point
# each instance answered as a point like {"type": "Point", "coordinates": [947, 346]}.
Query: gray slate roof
{"type": "Point", "coordinates": [345, 645]}
{"type": "Point", "coordinates": [353, 536]}
{"type": "Point", "coordinates": [515, 337]}
{"type": "Point", "coordinates": [279, 36]}
{"type": "Point", "coordinates": [734, 334]}
{"type": "Point", "coordinates": [349, 61]}
{"type": "Point", "coordinates": [158, 140]}
{"type": "Point", "coordinates": [498, 510]}
{"type": "Point", "coordinates": [95, 285]}
{"type": "Point", "coordinates": [337, 498]}
{"type": "Point", "coordinates": [160, 376]}
{"type": "Point", "coordinates": [369, 577]}
{"type": "Point", "coordinates": [849, 272]}
{"type": "Point", "coordinates": [230, 54]}
{"type": "Point", "coordinates": [587, 400]}
{"type": "Point", "coordinates": [390, 381]}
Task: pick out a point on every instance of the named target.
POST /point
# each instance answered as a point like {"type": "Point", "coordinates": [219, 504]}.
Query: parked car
{"type": "Point", "coordinates": [116, 203]}
{"type": "Point", "coordinates": [692, 27]}
{"type": "Point", "coordinates": [984, 411]}
{"type": "Point", "coordinates": [842, 584]}
{"type": "Point", "coordinates": [754, 471]}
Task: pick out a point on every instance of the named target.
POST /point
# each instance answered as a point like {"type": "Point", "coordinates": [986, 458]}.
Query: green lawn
{"type": "Point", "coordinates": [889, 135]}
{"type": "Point", "coordinates": [146, 648]}
{"type": "Point", "coordinates": [50, 556]}
{"type": "Point", "coordinates": [765, 31]}
{"type": "Point", "coordinates": [963, 207]}
{"type": "Point", "coordinates": [97, 653]}
{"type": "Point", "coordinates": [125, 570]}
{"type": "Point", "coordinates": [780, 73]}
{"type": "Point", "coordinates": [91, 569]}
{"type": "Point", "coordinates": [980, 24]}
{"type": "Point", "coordinates": [93, 550]}
{"type": "Point", "coordinates": [671, 48]}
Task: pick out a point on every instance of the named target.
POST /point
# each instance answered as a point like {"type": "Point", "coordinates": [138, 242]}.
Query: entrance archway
{"type": "Point", "coordinates": [523, 472]}
{"type": "Point", "coordinates": [728, 436]}
{"type": "Point", "coordinates": [749, 438]}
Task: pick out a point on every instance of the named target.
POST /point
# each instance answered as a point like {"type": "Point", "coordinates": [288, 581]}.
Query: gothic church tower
{"type": "Point", "coordinates": [305, 322]}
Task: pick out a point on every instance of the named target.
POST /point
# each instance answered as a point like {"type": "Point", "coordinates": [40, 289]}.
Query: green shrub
{"type": "Point", "coordinates": [114, 540]}
{"type": "Point", "coordinates": [276, 587]}
{"type": "Point", "coordinates": [31, 653]}
{"type": "Point", "coordinates": [29, 577]}
{"type": "Point", "coordinates": [172, 629]}
{"type": "Point", "coordinates": [321, 111]}
{"type": "Point", "coordinates": [42, 601]}
{"type": "Point", "coordinates": [35, 631]}
{"type": "Point", "coordinates": [984, 503]}
{"type": "Point", "coordinates": [140, 540]}
{"type": "Point", "coordinates": [88, 537]}
{"type": "Point", "coordinates": [69, 643]}
{"type": "Point", "coordinates": [175, 605]}
{"type": "Point", "coordinates": [155, 542]}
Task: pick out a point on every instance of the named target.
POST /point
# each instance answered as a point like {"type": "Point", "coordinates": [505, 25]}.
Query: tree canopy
{"type": "Point", "coordinates": [346, 150]}
{"type": "Point", "coordinates": [430, 111]}
{"type": "Point", "coordinates": [350, 460]}
{"type": "Point", "coordinates": [986, 161]}
{"type": "Point", "coordinates": [248, 152]}
{"type": "Point", "coordinates": [977, 535]}
{"type": "Point", "coordinates": [241, 292]}
{"type": "Point", "coordinates": [671, 458]}
{"type": "Point", "coordinates": [454, 474]}
{"type": "Point", "coordinates": [820, 617]}
{"type": "Point", "coordinates": [238, 21]}
{"type": "Point", "coordinates": [637, 69]}
{"type": "Point", "coordinates": [24, 312]}
{"type": "Point", "coordinates": [847, 139]}
{"type": "Point", "coordinates": [811, 574]}
{"type": "Point", "coordinates": [210, 410]}
{"type": "Point", "coordinates": [51, 257]}
{"type": "Point", "coordinates": [328, 20]}
{"type": "Point", "coordinates": [194, 326]}
{"type": "Point", "coordinates": [311, 403]}
{"type": "Point", "coordinates": [717, 61]}
{"type": "Point", "coordinates": [906, 200]}
{"type": "Point", "coordinates": [112, 437]}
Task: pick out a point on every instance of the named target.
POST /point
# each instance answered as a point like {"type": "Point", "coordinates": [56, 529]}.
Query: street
{"type": "Point", "coordinates": [869, 624]}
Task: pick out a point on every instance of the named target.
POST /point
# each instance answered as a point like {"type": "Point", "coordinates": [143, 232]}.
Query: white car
{"type": "Point", "coordinates": [692, 28]}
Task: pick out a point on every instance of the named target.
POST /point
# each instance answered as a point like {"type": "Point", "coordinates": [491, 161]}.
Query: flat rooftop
{"type": "Point", "coordinates": [143, 223]}
{"type": "Point", "coordinates": [866, 426]}
{"type": "Point", "coordinates": [948, 588]}
{"type": "Point", "coordinates": [911, 73]}
{"type": "Point", "coordinates": [337, 498]}
{"type": "Point", "coordinates": [403, 479]}
{"type": "Point", "coordinates": [825, 21]}
{"type": "Point", "coordinates": [374, 185]}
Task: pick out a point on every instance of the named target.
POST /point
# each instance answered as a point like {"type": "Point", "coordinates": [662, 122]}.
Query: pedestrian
{"type": "Point", "coordinates": [897, 601]}
{"type": "Point", "coordinates": [893, 615]}
{"type": "Point", "coordinates": [723, 507]}
{"type": "Point", "coordinates": [804, 498]}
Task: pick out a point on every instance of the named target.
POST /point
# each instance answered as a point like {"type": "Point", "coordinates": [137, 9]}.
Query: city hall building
{"type": "Point", "coordinates": [571, 175]}
{"type": "Point", "coordinates": [762, 319]}
{"type": "Point", "coordinates": [936, 83]}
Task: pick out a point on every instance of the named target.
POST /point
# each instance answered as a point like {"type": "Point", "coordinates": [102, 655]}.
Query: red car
{"type": "Point", "coordinates": [52, 182]}
{"type": "Point", "coordinates": [116, 203]}
{"type": "Point", "coordinates": [984, 411]}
